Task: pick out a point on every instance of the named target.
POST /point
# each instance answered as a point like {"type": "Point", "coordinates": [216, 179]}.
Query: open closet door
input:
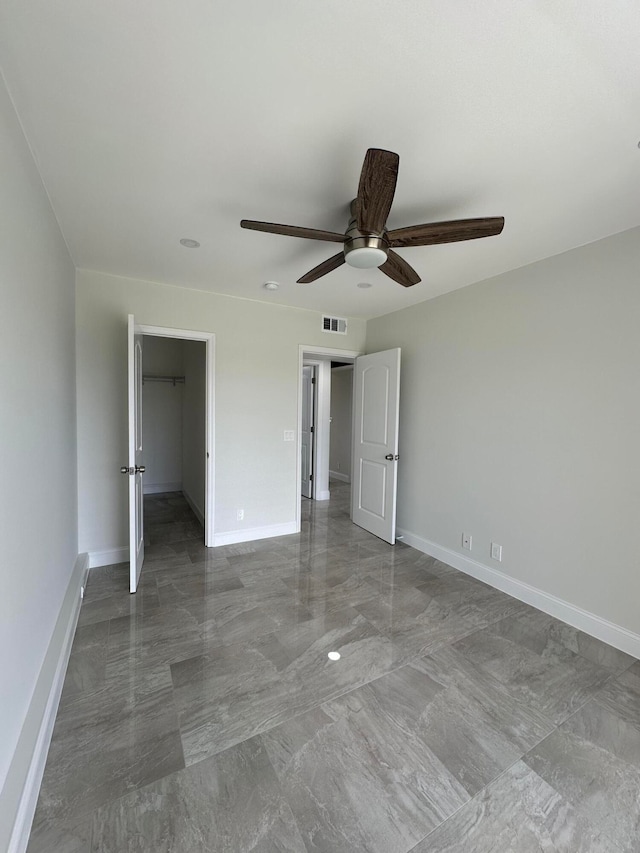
{"type": "Point", "coordinates": [306, 443]}
{"type": "Point", "coordinates": [375, 443]}
{"type": "Point", "coordinates": [135, 468]}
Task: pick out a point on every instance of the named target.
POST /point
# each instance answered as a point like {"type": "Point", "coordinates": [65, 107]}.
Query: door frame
{"type": "Point", "coordinates": [209, 339]}
{"type": "Point", "coordinates": [309, 353]}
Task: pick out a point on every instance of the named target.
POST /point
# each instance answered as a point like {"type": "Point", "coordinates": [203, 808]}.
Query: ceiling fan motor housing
{"type": "Point", "coordinates": [364, 251]}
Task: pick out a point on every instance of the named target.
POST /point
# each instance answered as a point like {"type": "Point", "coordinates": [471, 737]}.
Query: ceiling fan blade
{"type": "Point", "coordinates": [293, 231]}
{"type": "Point", "coordinates": [376, 189]}
{"type": "Point", "coordinates": [323, 268]}
{"type": "Point", "coordinates": [399, 270]}
{"type": "Point", "coordinates": [446, 232]}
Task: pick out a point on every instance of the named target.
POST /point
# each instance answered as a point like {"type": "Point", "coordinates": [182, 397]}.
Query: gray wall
{"type": "Point", "coordinates": [520, 423]}
{"type": "Point", "coordinates": [162, 413]}
{"type": "Point", "coordinates": [38, 487]}
{"type": "Point", "coordinates": [256, 398]}
{"type": "Point", "coordinates": [341, 417]}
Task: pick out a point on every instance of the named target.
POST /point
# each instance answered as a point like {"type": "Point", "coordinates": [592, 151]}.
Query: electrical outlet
{"type": "Point", "coordinates": [496, 552]}
{"type": "Point", "coordinates": [466, 541]}
{"type": "Point", "coordinates": [240, 515]}
{"type": "Point", "coordinates": [289, 435]}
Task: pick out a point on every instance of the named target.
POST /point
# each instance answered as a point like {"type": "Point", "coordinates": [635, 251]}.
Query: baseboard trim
{"type": "Point", "coordinates": [232, 537]}
{"type": "Point", "coordinates": [602, 629]}
{"type": "Point", "coordinates": [323, 495]}
{"type": "Point", "coordinates": [159, 488]}
{"type": "Point", "coordinates": [108, 557]}
{"type": "Point", "coordinates": [337, 475]}
{"type": "Point", "coordinates": [27, 767]}
{"type": "Point", "coordinates": [111, 556]}
{"type": "Point", "coordinates": [194, 507]}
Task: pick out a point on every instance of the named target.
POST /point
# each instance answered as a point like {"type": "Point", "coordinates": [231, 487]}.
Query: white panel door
{"type": "Point", "coordinates": [306, 438]}
{"type": "Point", "coordinates": [135, 467]}
{"type": "Point", "coordinates": [375, 458]}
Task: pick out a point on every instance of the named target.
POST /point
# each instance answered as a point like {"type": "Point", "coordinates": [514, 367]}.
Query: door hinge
{"type": "Point", "coordinates": [310, 477]}
{"type": "Point", "coordinates": [312, 429]}
{"type": "Point", "coordinates": [313, 380]}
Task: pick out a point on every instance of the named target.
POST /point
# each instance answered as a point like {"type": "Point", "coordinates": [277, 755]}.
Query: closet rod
{"type": "Point", "coordinates": [173, 379]}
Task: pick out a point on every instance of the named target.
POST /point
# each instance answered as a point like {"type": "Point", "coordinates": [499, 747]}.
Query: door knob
{"type": "Point", "coordinates": [139, 469]}
{"type": "Point", "coordinates": [391, 458]}
{"type": "Point", "coordinates": [126, 470]}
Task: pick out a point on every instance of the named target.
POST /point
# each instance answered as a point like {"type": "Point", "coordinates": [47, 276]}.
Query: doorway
{"type": "Point", "coordinates": [173, 426]}
{"type": "Point", "coordinates": [316, 428]}
{"type": "Point", "coordinates": [341, 422]}
{"type": "Point", "coordinates": [374, 441]}
{"type": "Point", "coordinates": [202, 469]}
{"type": "Point", "coordinates": [325, 452]}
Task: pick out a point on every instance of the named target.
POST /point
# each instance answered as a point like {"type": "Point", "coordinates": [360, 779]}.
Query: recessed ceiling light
{"type": "Point", "coordinates": [363, 284]}
{"type": "Point", "coordinates": [334, 655]}
{"type": "Point", "coordinates": [189, 244]}
{"type": "Point", "coordinates": [271, 285]}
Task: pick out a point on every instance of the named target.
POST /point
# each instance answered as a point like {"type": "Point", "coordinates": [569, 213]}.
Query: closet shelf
{"type": "Point", "coordinates": [172, 379]}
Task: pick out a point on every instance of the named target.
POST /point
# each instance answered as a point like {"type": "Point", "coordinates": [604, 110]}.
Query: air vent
{"type": "Point", "coordinates": [338, 325]}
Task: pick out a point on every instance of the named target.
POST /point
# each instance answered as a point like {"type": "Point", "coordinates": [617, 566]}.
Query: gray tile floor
{"type": "Point", "coordinates": [203, 714]}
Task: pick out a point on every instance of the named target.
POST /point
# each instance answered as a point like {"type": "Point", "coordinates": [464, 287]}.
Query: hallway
{"type": "Point", "coordinates": [203, 713]}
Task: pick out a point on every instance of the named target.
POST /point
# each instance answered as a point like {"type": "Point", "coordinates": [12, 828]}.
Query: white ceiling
{"type": "Point", "coordinates": [155, 120]}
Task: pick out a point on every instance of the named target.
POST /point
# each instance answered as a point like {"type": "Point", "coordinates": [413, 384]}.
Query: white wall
{"type": "Point", "coordinates": [341, 421]}
{"type": "Point", "coordinates": [520, 423]}
{"type": "Point", "coordinates": [256, 386]}
{"type": "Point", "coordinates": [163, 356]}
{"type": "Point", "coordinates": [194, 421]}
{"type": "Point", "coordinates": [162, 414]}
{"type": "Point", "coordinates": [38, 489]}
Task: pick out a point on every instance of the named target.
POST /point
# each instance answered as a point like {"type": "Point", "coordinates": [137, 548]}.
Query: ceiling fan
{"type": "Point", "coordinates": [366, 242]}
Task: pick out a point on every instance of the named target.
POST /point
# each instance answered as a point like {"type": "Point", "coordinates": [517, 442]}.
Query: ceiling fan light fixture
{"type": "Point", "coordinates": [367, 243]}
{"type": "Point", "coordinates": [365, 258]}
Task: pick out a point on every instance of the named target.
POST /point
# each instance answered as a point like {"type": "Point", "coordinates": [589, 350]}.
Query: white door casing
{"type": "Point", "coordinates": [136, 466]}
{"type": "Point", "coordinates": [306, 431]}
{"type": "Point", "coordinates": [375, 443]}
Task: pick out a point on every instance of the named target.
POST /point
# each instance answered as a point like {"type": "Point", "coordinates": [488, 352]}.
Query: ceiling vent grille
{"type": "Point", "coordinates": [338, 325]}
